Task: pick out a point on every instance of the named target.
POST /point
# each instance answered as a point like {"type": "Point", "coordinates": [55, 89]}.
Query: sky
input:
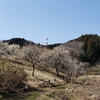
{"type": "Point", "coordinates": [57, 20]}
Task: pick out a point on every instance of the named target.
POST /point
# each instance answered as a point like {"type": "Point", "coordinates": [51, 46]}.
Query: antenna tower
{"type": "Point", "coordinates": [46, 41]}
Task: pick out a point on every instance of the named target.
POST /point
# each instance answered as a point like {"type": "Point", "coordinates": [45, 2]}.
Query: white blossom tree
{"type": "Point", "coordinates": [6, 50]}
{"type": "Point", "coordinates": [31, 54]}
{"type": "Point", "coordinates": [63, 61]}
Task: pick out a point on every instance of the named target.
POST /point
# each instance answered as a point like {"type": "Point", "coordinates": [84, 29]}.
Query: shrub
{"type": "Point", "coordinates": [11, 78]}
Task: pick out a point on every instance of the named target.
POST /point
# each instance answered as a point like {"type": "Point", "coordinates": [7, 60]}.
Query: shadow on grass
{"type": "Point", "coordinates": [29, 95]}
{"type": "Point", "coordinates": [16, 62]}
{"type": "Point", "coordinates": [11, 96]}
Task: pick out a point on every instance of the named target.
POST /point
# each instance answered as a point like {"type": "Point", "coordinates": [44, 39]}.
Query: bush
{"type": "Point", "coordinates": [11, 78]}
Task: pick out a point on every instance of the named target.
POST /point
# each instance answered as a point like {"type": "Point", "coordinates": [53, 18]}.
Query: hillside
{"type": "Point", "coordinates": [51, 73]}
{"type": "Point", "coordinates": [19, 41]}
{"type": "Point", "coordinates": [23, 42]}
{"type": "Point", "coordinates": [47, 86]}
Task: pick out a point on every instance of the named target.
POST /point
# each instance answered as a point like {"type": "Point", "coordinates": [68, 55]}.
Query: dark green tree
{"type": "Point", "coordinates": [91, 47]}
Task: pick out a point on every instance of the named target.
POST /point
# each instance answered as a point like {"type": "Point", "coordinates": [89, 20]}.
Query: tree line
{"type": "Point", "coordinates": [91, 48]}
{"type": "Point", "coordinates": [18, 41]}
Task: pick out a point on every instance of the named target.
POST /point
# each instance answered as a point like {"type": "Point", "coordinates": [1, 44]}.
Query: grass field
{"type": "Point", "coordinates": [47, 86]}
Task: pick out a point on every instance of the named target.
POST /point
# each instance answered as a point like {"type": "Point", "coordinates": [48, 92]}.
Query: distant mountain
{"type": "Point", "coordinates": [91, 48]}
{"type": "Point", "coordinates": [18, 41]}
{"type": "Point", "coordinates": [86, 46]}
{"type": "Point", "coordinates": [22, 42]}
{"type": "Point", "coordinates": [86, 36]}
{"type": "Point", "coordinates": [52, 46]}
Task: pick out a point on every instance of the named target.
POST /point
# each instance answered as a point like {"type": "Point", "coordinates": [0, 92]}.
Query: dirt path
{"type": "Point", "coordinates": [89, 76]}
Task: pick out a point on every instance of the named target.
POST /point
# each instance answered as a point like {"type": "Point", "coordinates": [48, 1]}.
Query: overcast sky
{"type": "Point", "coordinates": [57, 20]}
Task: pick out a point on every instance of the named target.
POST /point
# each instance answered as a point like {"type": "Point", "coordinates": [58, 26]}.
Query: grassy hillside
{"type": "Point", "coordinates": [45, 85]}
{"type": "Point", "coordinates": [58, 72]}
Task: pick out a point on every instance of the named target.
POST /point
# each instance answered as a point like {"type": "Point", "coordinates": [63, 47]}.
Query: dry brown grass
{"type": "Point", "coordinates": [11, 77]}
{"type": "Point", "coordinates": [85, 88]}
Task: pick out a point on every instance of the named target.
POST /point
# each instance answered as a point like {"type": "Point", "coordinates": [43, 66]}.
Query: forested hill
{"type": "Point", "coordinates": [22, 42]}
{"type": "Point", "coordinates": [87, 36]}
{"type": "Point", "coordinates": [51, 46]}
{"type": "Point", "coordinates": [19, 41]}
{"type": "Point", "coordinates": [90, 46]}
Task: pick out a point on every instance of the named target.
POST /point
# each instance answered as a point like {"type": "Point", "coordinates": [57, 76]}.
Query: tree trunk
{"type": "Point", "coordinates": [71, 80]}
{"type": "Point", "coordinates": [33, 69]}
{"type": "Point", "coordinates": [57, 71]}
